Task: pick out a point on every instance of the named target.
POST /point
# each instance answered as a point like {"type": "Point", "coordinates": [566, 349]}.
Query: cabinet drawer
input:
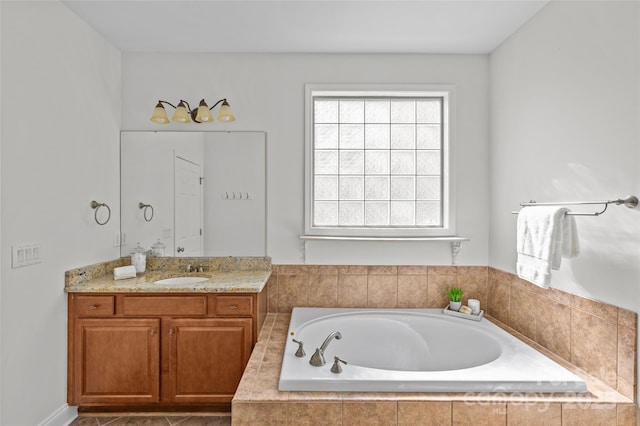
{"type": "Point", "coordinates": [95, 306]}
{"type": "Point", "coordinates": [233, 306]}
{"type": "Point", "coordinates": [164, 305]}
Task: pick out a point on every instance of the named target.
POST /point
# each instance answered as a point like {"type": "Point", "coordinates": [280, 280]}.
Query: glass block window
{"type": "Point", "coordinates": [377, 163]}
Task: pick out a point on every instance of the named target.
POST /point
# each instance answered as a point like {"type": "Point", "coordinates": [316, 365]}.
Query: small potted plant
{"type": "Point", "coordinates": [455, 298]}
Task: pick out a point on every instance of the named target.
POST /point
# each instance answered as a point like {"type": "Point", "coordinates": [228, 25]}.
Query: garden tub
{"type": "Point", "coordinates": [414, 350]}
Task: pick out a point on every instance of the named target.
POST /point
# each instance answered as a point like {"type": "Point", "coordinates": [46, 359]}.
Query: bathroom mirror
{"type": "Point", "coordinates": [192, 194]}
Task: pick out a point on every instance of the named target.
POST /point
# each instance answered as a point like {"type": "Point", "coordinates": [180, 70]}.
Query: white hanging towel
{"type": "Point", "coordinates": [544, 236]}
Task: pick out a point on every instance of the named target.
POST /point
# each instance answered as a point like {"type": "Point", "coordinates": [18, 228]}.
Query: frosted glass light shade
{"type": "Point", "coordinates": [160, 115]}
{"type": "Point", "coordinates": [225, 113]}
{"type": "Point", "coordinates": [181, 115]}
{"type": "Point", "coordinates": [204, 114]}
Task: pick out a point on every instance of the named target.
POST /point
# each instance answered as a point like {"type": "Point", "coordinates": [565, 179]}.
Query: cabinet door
{"type": "Point", "coordinates": [117, 360]}
{"type": "Point", "coordinates": [207, 358]}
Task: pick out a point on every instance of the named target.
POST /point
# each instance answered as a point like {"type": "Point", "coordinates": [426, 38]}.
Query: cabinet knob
{"type": "Point", "coordinates": [233, 307]}
{"type": "Point", "coordinates": [154, 331]}
{"type": "Point", "coordinates": [172, 331]}
{"type": "Point", "coordinates": [93, 307]}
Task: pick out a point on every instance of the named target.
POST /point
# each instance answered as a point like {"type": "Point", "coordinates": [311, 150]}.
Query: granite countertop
{"type": "Point", "coordinates": [99, 279]}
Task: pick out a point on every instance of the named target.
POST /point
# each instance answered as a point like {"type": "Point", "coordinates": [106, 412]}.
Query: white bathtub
{"type": "Point", "coordinates": [415, 350]}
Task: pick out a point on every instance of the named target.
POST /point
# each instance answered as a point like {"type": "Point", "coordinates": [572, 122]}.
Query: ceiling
{"type": "Point", "coordinates": [313, 26]}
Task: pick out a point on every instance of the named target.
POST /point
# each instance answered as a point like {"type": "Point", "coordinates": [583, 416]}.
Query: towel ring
{"type": "Point", "coordinates": [96, 206]}
{"type": "Point", "coordinates": [146, 208]}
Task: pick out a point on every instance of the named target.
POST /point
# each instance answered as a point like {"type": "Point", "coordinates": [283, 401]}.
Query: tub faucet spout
{"type": "Point", "coordinates": [317, 359]}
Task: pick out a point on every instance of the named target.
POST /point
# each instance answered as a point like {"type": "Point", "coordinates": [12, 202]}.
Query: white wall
{"type": "Point", "coordinates": [235, 165]}
{"type": "Point", "coordinates": [60, 128]}
{"type": "Point", "coordinates": [565, 98]}
{"type": "Point", "coordinates": [564, 126]}
{"type": "Point", "coordinates": [266, 92]}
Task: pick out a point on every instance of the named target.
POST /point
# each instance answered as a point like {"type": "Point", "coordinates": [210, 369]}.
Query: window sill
{"type": "Point", "coordinates": [336, 238]}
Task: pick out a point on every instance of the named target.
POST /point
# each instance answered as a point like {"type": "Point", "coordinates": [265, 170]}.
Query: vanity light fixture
{"type": "Point", "coordinates": [184, 114]}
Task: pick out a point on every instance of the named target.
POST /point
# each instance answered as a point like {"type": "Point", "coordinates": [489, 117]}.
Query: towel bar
{"type": "Point", "coordinates": [631, 201]}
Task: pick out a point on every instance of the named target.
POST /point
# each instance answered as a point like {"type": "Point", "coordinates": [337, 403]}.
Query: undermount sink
{"type": "Point", "coordinates": [181, 280]}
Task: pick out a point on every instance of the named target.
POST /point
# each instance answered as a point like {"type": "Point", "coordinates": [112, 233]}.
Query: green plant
{"type": "Point", "coordinates": [455, 294]}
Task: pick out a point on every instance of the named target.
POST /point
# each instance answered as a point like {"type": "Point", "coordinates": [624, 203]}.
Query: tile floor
{"type": "Point", "coordinates": [153, 420]}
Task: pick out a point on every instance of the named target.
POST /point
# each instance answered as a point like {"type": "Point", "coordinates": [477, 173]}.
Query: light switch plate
{"type": "Point", "coordinates": [25, 254]}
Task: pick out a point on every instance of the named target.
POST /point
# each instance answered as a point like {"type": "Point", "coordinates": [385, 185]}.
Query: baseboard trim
{"type": "Point", "coordinates": [63, 416]}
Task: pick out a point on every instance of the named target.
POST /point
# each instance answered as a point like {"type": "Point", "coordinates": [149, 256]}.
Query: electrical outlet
{"type": "Point", "coordinates": [116, 239]}
{"type": "Point", "coordinates": [25, 254]}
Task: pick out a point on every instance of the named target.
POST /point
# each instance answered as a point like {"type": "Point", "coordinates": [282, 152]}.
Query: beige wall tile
{"type": "Point", "coordinates": [382, 270]}
{"type": "Point", "coordinates": [474, 286]}
{"type": "Point", "coordinates": [522, 312]}
{"type": "Point", "coordinates": [259, 414]}
{"type": "Point", "coordinates": [314, 413]}
{"type": "Point", "coordinates": [272, 294]}
{"type": "Point", "coordinates": [291, 270]}
{"type": "Point", "coordinates": [322, 269]}
{"type": "Point", "coordinates": [627, 342]}
{"type": "Point", "coordinates": [437, 286]}
{"type": "Point", "coordinates": [352, 291]}
{"type": "Point", "coordinates": [412, 291]}
{"type": "Point", "coordinates": [598, 309]}
{"type": "Point", "coordinates": [442, 270]}
{"type": "Point", "coordinates": [531, 413]}
{"type": "Point", "coordinates": [323, 291]}
{"type": "Point", "coordinates": [412, 270]}
{"type": "Point", "coordinates": [432, 413]}
{"type": "Point", "coordinates": [369, 413]}
{"type": "Point", "coordinates": [473, 270]}
{"type": "Point", "coordinates": [353, 270]}
{"type": "Point", "coordinates": [627, 415]}
{"type": "Point", "coordinates": [480, 414]}
{"type": "Point", "coordinates": [588, 414]}
{"type": "Point", "coordinates": [626, 388]}
{"type": "Point", "coordinates": [557, 295]}
{"type": "Point", "coordinates": [292, 292]}
{"type": "Point", "coordinates": [382, 291]}
{"type": "Point", "coordinates": [553, 327]}
{"type": "Point", "coordinates": [497, 275]}
{"type": "Point", "coordinates": [627, 318]}
{"type": "Point", "coordinates": [499, 300]}
{"type": "Point", "coordinates": [594, 346]}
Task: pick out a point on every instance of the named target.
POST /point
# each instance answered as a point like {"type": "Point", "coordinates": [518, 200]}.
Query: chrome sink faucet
{"type": "Point", "coordinates": [317, 359]}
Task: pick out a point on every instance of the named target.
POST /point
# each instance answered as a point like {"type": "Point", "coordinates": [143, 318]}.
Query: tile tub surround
{"type": "Point", "coordinates": [594, 336]}
{"type": "Point", "coordinates": [259, 402]}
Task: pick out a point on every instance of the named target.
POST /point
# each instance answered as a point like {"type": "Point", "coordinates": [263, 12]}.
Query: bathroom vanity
{"type": "Point", "coordinates": [138, 343]}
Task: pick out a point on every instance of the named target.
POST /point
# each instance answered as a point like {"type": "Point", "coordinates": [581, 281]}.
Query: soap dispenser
{"type": "Point", "coordinates": [139, 259]}
{"type": "Point", "coordinates": [157, 249]}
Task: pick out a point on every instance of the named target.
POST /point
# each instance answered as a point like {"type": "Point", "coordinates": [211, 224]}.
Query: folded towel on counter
{"type": "Point", "coordinates": [544, 236]}
{"type": "Point", "coordinates": [124, 272]}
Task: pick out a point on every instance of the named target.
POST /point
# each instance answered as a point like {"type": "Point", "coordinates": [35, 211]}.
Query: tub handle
{"type": "Point", "coordinates": [300, 352]}
{"type": "Point", "coordinates": [337, 368]}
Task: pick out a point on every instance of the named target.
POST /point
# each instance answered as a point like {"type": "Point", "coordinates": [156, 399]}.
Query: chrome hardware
{"type": "Point", "coordinates": [337, 368]}
{"type": "Point", "coordinates": [317, 359]}
{"type": "Point", "coordinates": [300, 352]}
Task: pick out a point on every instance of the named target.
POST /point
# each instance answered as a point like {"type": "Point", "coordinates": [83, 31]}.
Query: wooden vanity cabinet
{"type": "Point", "coordinates": [159, 349]}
